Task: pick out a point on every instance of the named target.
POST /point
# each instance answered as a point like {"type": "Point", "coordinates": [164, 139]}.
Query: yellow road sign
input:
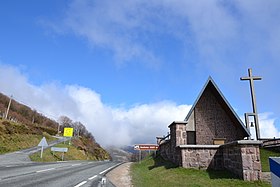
{"type": "Point", "coordinates": [68, 132]}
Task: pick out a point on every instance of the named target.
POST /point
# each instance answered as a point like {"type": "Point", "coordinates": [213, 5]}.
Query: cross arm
{"type": "Point", "coordinates": [248, 78]}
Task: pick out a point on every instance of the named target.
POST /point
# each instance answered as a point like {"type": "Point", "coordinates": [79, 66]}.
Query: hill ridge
{"type": "Point", "coordinates": [23, 122]}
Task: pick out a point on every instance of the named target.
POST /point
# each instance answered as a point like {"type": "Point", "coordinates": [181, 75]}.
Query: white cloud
{"type": "Point", "coordinates": [267, 126]}
{"type": "Point", "coordinates": [217, 31]}
{"type": "Point", "coordinates": [128, 28]}
{"type": "Point", "coordinates": [110, 126]}
{"type": "Point", "coordinates": [112, 25]}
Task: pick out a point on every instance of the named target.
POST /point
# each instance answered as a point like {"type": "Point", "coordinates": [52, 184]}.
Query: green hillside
{"type": "Point", "coordinates": [15, 136]}
{"type": "Point", "coordinates": [25, 127]}
{"type": "Point", "coordinates": [73, 153]}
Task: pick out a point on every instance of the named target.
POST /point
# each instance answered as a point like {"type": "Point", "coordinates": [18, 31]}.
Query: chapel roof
{"type": "Point", "coordinates": [211, 85]}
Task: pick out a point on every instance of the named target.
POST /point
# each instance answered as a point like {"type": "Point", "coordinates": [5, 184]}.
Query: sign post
{"type": "Point", "coordinates": [43, 143]}
{"type": "Point", "coordinates": [145, 147]}
{"type": "Point", "coordinates": [60, 149]}
{"type": "Point", "coordinates": [274, 163]}
{"type": "Point", "coordinates": [68, 132]}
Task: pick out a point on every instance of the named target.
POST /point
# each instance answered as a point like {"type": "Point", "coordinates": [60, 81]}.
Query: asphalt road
{"type": "Point", "coordinates": [17, 170]}
{"type": "Point", "coordinates": [58, 174]}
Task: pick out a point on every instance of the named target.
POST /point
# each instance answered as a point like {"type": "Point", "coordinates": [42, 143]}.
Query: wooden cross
{"type": "Point", "coordinates": [251, 79]}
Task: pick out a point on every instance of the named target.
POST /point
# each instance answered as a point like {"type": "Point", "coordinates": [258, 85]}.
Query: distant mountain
{"type": "Point", "coordinates": [118, 154]}
{"type": "Point", "coordinates": [134, 155]}
{"type": "Point", "coordinates": [129, 149]}
{"type": "Point", "coordinates": [126, 154]}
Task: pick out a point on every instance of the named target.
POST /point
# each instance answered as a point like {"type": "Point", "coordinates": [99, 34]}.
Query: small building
{"type": "Point", "coordinates": [212, 136]}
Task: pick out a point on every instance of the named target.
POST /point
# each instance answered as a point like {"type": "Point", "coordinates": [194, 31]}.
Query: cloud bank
{"type": "Point", "coordinates": [267, 127]}
{"type": "Point", "coordinates": [110, 125]}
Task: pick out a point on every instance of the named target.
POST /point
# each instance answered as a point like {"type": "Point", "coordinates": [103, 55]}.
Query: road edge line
{"type": "Point", "coordinates": [81, 183]}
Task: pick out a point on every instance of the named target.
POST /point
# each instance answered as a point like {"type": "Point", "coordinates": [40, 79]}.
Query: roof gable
{"type": "Point", "coordinates": [210, 84]}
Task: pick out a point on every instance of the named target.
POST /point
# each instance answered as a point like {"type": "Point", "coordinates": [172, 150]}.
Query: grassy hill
{"type": "Point", "coordinates": [19, 113]}
{"type": "Point", "coordinates": [15, 136]}
{"type": "Point", "coordinates": [25, 128]}
{"type": "Point", "coordinates": [265, 154]}
{"type": "Point", "coordinates": [73, 153]}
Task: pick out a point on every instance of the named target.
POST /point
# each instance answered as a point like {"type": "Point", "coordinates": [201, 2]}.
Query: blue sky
{"type": "Point", "coordinates": [124, 59]}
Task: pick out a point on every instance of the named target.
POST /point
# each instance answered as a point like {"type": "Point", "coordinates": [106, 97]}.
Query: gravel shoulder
{"type": "Point", "coordinates": [120, 176]}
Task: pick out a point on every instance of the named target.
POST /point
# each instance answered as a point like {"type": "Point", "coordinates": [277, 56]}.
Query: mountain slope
{"type": "Point", "coordinates": [25, 127]}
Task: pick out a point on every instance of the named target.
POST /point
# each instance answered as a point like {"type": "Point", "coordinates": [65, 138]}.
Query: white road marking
{"type": "Point", "coordinates": [11, 166]}
{"type": "Point", "coordinates": [106, 170]}
{"type": "Point", "coordinates": [80, 184]}
{"type": "Point", "coordinates": [92, 177]}
{"type": "Point", "coordinates": [44, 170]}
{"type": "Point", "coordinates": [103, 181]}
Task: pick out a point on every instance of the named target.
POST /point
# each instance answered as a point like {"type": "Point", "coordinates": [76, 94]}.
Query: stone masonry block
{"type": "Point", "coordinates": [257, 166]}
{"type": "Point", "coordinates": [250, 150]}
{"type": "Point", "coordinates": [247, 163]}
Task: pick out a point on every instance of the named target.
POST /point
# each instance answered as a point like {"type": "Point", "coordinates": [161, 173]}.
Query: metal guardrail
{"type": "Point", "coordinates": [270, 143]}
{"type": "Point", "coordinates": [163, 139]}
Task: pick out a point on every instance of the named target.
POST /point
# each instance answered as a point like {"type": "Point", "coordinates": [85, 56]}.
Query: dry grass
{"type": "Point", "coordinates": [15, 142]}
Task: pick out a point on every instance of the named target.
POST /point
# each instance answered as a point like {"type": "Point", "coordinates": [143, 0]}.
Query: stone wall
{"type": "Point", "coordinates": [178, 134]}
{"type": "Point", "coordinates": [164, 151]}
{"type": "Point", "coordinates": [212, 121]}
{"type": "Point", "coordinates": [239, 157]}
{"type": "Point", "coordinates": [243, 159]}
{"type": "Point", "coordinates": [201, 156]}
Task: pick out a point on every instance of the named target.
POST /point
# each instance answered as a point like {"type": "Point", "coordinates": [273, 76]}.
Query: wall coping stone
{"type": "Point", "coordinates": [244, 142]}
{"type": "Point", "coordinates": [178, 122]}
{"type": "Point", "coordinates": [239, 142]}
{"type": "Point", "coordinates": [249, 142]}
{"type": "Point", "coordinates": [199, 146]}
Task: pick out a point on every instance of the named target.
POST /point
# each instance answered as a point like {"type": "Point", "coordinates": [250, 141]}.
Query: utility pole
{"type": "Point", "coordinates": [7, 112]}
{"type": "Point", "coordinates": [251, 79]}
{"type": "Point", "coordinates": [58, 129]}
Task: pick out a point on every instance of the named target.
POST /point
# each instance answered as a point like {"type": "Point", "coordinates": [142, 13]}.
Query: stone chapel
{"type": "Point", "coordinates": [212, 136]}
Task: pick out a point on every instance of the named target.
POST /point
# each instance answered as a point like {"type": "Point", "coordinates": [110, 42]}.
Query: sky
{"type": "Point", "coordinates": [127, 69]}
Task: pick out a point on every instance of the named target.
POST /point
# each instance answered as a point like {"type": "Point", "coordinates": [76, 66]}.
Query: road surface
{"type": "Point", "coordinates": [17, 170]}
{"type": "Point", "coordinates": [64, 174]}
